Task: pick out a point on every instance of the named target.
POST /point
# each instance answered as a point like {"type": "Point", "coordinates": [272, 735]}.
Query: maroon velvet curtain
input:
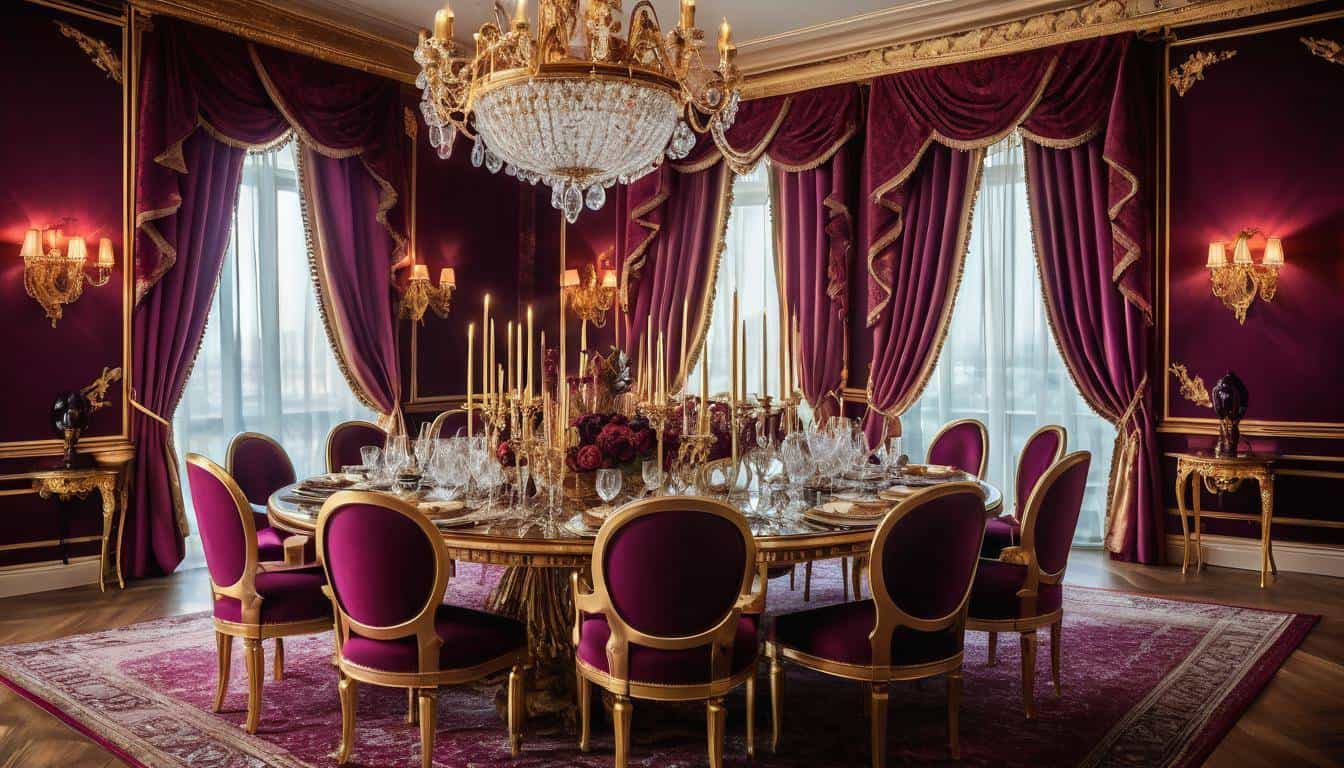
{"type": "Point", "coordinates": [1059, 98]}
{"type": "Point", "coordinates": [803, 135]}
{"type": "Point", "coordinates": [206, 98]}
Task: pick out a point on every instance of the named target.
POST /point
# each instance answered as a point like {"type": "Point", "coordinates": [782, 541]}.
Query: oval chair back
{"type": "Point", "coordinates": [345, 439]}
{"type": "Point", "coordinates": [386, 568]}
{"type": "Point", "coordinates": [923, 562]}
{"type": "Point", "coordinates": [1045, 447]}
{"type": "Point", "coordinates": [259, 465]}
{"type": "Point", "coordinates": [1051, 518]}
{"type": "Point", "coordinates": [455, 419]}
{"type": "Point", "coordinates": [228, 532]}
{"type": "Point", "coordinates": [963, 444]}
{"type": "Point", "coordinates": [670, 573]}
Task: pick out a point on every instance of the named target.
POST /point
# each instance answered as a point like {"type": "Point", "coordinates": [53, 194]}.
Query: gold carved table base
{"type": "Point", "coordinates": [1220, 475]}
{"type": "Point", "coordinates": [67, 484]}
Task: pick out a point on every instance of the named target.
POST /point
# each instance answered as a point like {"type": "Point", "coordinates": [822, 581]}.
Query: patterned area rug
{"type": "Point", "coordinates": [1147, 682]}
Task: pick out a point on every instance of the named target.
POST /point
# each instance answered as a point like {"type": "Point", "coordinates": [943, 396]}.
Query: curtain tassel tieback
{"type": "Point", "coordinates": [1124, 463]}
{"type": "Point", "coordinates": [137, 405]}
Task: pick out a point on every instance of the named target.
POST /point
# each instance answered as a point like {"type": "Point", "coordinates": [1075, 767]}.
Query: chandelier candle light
{"type": "Point", "coordinates": [574, 105]}
{"type": "Point", "coordinates": [54, 278]}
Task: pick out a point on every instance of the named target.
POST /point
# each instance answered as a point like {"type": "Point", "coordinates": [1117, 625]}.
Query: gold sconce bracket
{"type": "Point", "coordinates": [54, 278]}
{"type": "Point", "coordinates": [1237, 282]}
{"type": "Point", "coordinates": [590, 300]}
{"type": "Point", "coordinates": [421, 295]}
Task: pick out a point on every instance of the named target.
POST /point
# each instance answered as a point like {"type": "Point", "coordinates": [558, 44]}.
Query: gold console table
{"type": "Point", "coordinates": [1219, 474]}
{"type": "Point", "coordinates": [110, 482]}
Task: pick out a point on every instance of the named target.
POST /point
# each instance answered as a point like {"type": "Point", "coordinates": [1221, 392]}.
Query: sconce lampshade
{"type": "Point", "coordinates": [76, 250]}
{"type": "Point", "coordinates": [570, 278]}
{"type": "Point", "coordinates": [105, 256]}
{"type": "Point", "coordinates": [448, 277]}
{"type": "Point", "coordinates": [420, 272]}
{"type": "Point", "coordinates": [32, 244]}
{"type": "Point", "coordinates": [609, 278]}
{"type": "Point", "coordinates": [1242, 253]}
{"type": "Point", "coordinates": [1217, 255]}
{"type": "Point", "coordinates": [1273, 252]}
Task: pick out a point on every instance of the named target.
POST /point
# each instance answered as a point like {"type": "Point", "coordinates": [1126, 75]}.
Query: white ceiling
{"type": "Point", "coordinates": [769, 33]}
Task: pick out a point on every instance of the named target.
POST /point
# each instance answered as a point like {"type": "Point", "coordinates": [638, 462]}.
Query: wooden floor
{"type": "Point", "coordinates": [1297, 720]}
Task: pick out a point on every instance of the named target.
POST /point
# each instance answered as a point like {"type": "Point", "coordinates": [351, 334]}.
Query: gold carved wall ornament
{"type": "Point", "coordinates": [97, 391]}
{"type": "Point", "coordinates": [102, 54]}
{"type": "Point", "coordinates": [1192, 388]}
{"type": "Point", "coordinates": [1191, 71]}
{"type": "Point", "coordinates": [1327, 49]}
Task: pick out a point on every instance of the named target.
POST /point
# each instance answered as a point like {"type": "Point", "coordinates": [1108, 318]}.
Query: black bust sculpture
{"type": "Point", "coordinates": [1229, 405]}
{"type": "Point", "coordinates": [70, 417]}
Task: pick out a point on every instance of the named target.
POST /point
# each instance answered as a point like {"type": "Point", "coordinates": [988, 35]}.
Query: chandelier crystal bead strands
{"type": "Point", "coordinates": [576, 106]}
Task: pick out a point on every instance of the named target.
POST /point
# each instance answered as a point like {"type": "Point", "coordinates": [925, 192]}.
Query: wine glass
{"type": "Point", "coordinates": [652, 476]}
{"type": "Point", "coordinates": [608, 484]}
{"type": "Point", "coordinates": [369, 455]}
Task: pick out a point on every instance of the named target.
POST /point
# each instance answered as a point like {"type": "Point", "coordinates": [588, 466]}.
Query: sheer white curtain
{"type": "Point", "coordinates": [999, 362]}
{"type": "Point", "coordinates": [265, 364]}
{"type": "Point", "coordinates": [748, 265]}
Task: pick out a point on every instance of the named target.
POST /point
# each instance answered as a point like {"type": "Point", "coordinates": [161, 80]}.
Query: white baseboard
{"type": "Point", "coordinates": [44, 577]}
{"type": "Point", "coordinates": [1236, 552]}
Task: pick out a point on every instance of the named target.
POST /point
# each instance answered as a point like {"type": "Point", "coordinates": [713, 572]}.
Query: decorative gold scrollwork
{"type": "Point", "coordinates": [1327, 49]}
{"type": "Point", "coordinates": [1191, 71]}
{"type": "Point", "coordinates": [102, 54]}
{"type": "Point", "coordinates": [1192, 387]}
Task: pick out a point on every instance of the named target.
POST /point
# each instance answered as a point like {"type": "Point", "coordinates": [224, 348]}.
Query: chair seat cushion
{"type": "Point", "coordinates": [1000, 533]}
{"type": "Point", "coordinates": [270, 545]}
{"type": "Point", "coordinates": [653, 665]}
{"type": "Point", "coordinates": [840, 633]}
{"type": "Point", "coordinates": [994, 595]}
{"type": "Point", "coordinates": [470, 637]}
{"type": "Point", "coordinates": [287, 597]}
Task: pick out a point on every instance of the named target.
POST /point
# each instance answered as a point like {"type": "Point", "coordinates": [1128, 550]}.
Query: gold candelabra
{"type": "Point", "coordinates": [54, 278]}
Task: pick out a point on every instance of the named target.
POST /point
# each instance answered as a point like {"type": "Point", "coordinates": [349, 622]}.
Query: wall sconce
{"type": "Point", "coordinates": [421, 295]}
{"type": "Point", "coordinates": [589, 299]}
{"type": "Point", "coordinates": [55, 279]}
{"type": "Point", "coordinates": [1238, 282]}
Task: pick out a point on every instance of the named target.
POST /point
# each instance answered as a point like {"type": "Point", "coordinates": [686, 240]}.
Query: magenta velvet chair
{"type": "Point", "coordinates": [1045, 447]}
{"type": "Point", "coordinates": [672, 614]}
{"type": "Point", "coordinates": [963, 444]}
{"type": "Point", "coordinates": [388, 570]}
{"type": "Point", "coordinates": [923, 563]}
{"type": "Point", "coordinates": [260, 466]}
{"type": "Point", "coordinates": [1021, 591]}
{"type": "Point", "coordinates": [345, 439]}
{"type": "Point", "coordinates": [252, 600]}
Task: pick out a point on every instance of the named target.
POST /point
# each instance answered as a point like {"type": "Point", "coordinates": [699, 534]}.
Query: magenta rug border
{"type": "Point", "coordinates": [72, 722]}
{"type": "Point", "coordinates": [1201, 745]}
{"type": "Point", "coordinates": [1246, 691]}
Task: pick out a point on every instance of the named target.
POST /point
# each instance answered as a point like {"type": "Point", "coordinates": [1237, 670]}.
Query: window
{"type": "Point", "coordinates": [265, 364]}
{"type": "Point", "coordinates": [747, 265]}
{"type": "Point", "coordinates": [999, 362]}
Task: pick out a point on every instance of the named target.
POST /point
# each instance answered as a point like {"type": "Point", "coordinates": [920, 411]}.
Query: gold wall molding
{"type": "Point", "coordinates": [1329, 50]}
{"type": "Point", "coordinates": [1183, 425]}
{"type": "Point", "coordinates": [1192, 387]}
{"type": "Point", "coordinates": [1191, 71]}
{"type": "Point", "coordinates": [1084, 20]}
{"type": "Point", "coordinates": [100, 52]}
{"type": "Point", "coordinates": [294, 30]}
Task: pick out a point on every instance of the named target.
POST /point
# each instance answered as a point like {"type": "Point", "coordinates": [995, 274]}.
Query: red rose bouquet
{"type": "Point", "coordinates": [609, 440]}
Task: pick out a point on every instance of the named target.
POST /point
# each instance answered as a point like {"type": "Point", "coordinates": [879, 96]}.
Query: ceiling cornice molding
{"type": "Point", "coordinates": [988, 36]}
{"type": "Point", "coordinates": [300, 31]}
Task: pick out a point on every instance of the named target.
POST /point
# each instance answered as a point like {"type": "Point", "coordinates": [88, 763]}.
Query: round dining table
{"type": "Point", "coordinates": [539, 555]}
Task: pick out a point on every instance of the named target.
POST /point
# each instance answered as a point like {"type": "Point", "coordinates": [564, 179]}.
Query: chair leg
{"type": "Point", "coordinates": [776, 700]}
{"type": "Point", "coordinates": [1029, 673]}
{"type": "Point", "coordinates": [716, 717]}
{"type": "Point", "coordinates": [279, 658]}
{"type": "Point", "coordinates": [347, 688]}
{"type": "Point", "coordinates": [844, 578]}
{"type": "Point", "coordinates": [621, 710]}
{"type": "Point", "coordinates": [807, 582]}
{"type": "Point", "coordinates": [793, 572]}
{"type": "Point", "coordinates": [878, 727]}
{"type": "Point", "coordinates": [954, 713]}
{"type": "Point", "coordinates": [517, 709]}
{"type": "Point", "coordinates": [585, 712]}
{"type": "Point", "coordinates": [256, 673]}
{"type": "Point", "coordinates": [751, 715]}
{"type": "Point", "coordinates": [993, 649]}
{"type": "Point", "coordinates": [1056, 630]}
{"type": "Point", "coordinates": [412, 707]}
{"type": "Point", "coordinates": [856, 577]}
{"type": "Point", "coordinates": [429, 699]}
{"type": "Point", "coordinates": [224, 648]}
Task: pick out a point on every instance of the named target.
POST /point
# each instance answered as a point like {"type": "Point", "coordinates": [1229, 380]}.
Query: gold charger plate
{"type": "Point", "coordinates": [846, 514]}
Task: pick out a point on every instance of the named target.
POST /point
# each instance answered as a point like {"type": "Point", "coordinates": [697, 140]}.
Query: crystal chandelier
{"type": "Point", "coordinates": [575, 105]}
